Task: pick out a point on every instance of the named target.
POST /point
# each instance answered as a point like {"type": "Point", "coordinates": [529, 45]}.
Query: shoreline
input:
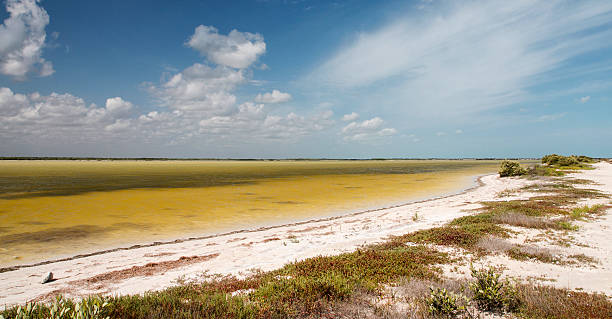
{"type": "Point", "coordinates": [161, 265]}
{"type": "Point", "coordinates": [476, 183]}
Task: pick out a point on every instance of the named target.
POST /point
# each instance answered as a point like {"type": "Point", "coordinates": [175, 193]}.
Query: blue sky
{"type": "Point", "coordinates": [285, 79]}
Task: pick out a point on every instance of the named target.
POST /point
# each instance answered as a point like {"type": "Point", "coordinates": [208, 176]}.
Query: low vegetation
{"type": "Point", "coordinates": [554, 165]}
{"type": "Point", "coordinates": [484, 232]}
{"type": "Point", "coordinates": [567, 162]}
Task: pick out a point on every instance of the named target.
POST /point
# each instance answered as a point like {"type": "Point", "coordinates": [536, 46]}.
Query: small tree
{"type": "Point", "coordinates": [511, 168]}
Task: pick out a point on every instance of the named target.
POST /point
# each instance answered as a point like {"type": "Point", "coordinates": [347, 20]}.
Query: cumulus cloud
{"type": "Point", "coordinates": [65, 118]}
{"type": "Point", "coordinates": [275, 96]}
{"type": "Point", "coordinates": [118, 125]}
{"type": "Point", "coordinates": [366, 130]}
{"type": "Point", "coordinates": [22, 39]}
{"type": "Point", "coordinates": [194, 105]}
{"type": "Point", "coordinates": [237, 49]}
{"type": "Point", "coordinates": [350, 117]}
{"type": "Point", "coordinates": [59, 116]}
{"type": "Point", "coordinates": [467, 56]}
{"type": "Point", "coordinates": [370, 124]}
{"type": "Point", "coordinates": [200, 88]}
{"type": "Point", "coordinates": [118, 106]}
{"type": "Point", "coordinates": [255, 122]}
{"type": "Point", "coordinates": [584, 99]}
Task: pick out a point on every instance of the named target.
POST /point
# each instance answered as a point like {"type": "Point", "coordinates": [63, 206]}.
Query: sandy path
{"type": "Point", "coordinates": [157, 267]}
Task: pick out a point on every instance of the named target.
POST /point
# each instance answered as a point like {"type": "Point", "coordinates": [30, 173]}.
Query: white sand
{"type": "Point", "coordinates": [593, 239]}
{"type": "Point", "coordinates": [269, 249]}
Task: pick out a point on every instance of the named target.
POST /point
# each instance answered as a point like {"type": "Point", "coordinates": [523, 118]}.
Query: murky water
{"type": "Point", "coordinates": [51, 209]}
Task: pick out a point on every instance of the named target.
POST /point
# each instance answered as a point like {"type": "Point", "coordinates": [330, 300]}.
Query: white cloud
{"type": "Point", "coordinates": [458, 131]}
{"type": "Point", "coordinates": [22, 38]}
{"type": "Point", "coordinates": [441, 133]}
{"type": "Point", "coordinates": [252, 121]}
{"type": "Point", "coordinates": [584, 99]}
{"type": "Point", "coordinates": [62, 117]}
{"type": "Point", "coordinates": [11, 104]}
{"type": "Point", "coordinates": [465, 56]}
{"type": "Point", "coordinates": [119, 125]}
{"type": "Point", "coordinates": [58, 119]}
{"type": "Point", "coordinates": [118, 106]}
{"type": "Point", "coordinates": [237, 49]}
{"type": "Point", "coordinates": [275, 96]}
{"type": "Point", "coordinates": [350, 117]}
{"type": "Point", "coordinates": [196, 106]}
{"type": "Point", "coordinates": [366, 130]}
{"type": "Point", "coordinates": [200, 88]}
{"type": "Point", "coordinates": [550, 117]}
{"type": "Point", "coordinates": [370, 124]}
{"type": "Point", "coordinates": [387, 132]}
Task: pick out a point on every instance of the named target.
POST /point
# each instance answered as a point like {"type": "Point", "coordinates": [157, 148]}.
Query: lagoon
{"type": "Point", "coordinates": [57, 208]}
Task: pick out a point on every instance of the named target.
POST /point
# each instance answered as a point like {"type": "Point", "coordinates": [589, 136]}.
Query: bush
{"type": "Point", "coordinates": [550, 159]}
{"type": "Point", "coordinates": [511, 168]}
{"type": "Point", "coordinates": [89, 308]}
{"type": "Point", "coordinates": [443, 302]}
{"type": "Point", "coordinates": [560, 160]}
{"type": "Point", "coordinates": [492, 293]}
{"type": "Point", "coordinates": [585, 159]}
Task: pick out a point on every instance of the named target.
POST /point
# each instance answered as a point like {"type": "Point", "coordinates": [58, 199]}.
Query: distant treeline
{"type": "Point", "coordinates": [58, 158]}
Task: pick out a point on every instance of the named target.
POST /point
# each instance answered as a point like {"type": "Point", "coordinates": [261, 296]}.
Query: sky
{"type": "Point", "coordinates": [305, 78]}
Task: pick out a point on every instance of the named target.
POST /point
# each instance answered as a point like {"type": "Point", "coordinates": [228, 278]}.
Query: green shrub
{"type": "Point", "coordinates": [88, 308]}
{"type": "Point", "coordinates": [492, 293]}
{"type": "Point", "coordinates": [443, 302]}
{"type": "Point", "coordinates": [585, 159]}
{"type": "Point", "coordinates": [304, 294]}
{"type": "Point", "coordinates": [568, 161]}
{"type": "Point", "coordinates": [560, 160]}
{"type": "Point", "coordinates": [550, 159]}
{"type": "Point", "coordinates": [511, 168]}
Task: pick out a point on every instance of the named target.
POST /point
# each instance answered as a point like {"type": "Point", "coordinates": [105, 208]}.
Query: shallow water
{"type": "Point", "coordinates": [50, 209]}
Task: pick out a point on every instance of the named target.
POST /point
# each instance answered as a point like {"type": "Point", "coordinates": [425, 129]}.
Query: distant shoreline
{"type": "Point", "coordinates": [26, 158]}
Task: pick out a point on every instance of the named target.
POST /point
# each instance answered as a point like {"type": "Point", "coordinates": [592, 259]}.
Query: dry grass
{"type": "Point", "coordinates": [493, 244]}
{"type": "Point", "coordinates": [548, 302]}
{"type": "Point", "coordinates": [496, 245]}
{"type": "Point", "coordinates": [521, 220]}
{"type": "Point", "coordinates": [582, 260]}
{"type": "Point", "coordinates": [521, 252]}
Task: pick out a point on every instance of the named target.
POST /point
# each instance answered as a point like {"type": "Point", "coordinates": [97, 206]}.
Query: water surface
{"type": "Point", "coordinates": [51, 209]}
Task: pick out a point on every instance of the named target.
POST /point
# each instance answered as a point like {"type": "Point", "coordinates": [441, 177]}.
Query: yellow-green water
{"type": "Point", "coordinates": [51, 209]}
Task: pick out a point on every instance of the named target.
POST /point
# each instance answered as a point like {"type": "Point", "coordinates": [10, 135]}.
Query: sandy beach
{"type": "Point", "coordinates": [155, 267]}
